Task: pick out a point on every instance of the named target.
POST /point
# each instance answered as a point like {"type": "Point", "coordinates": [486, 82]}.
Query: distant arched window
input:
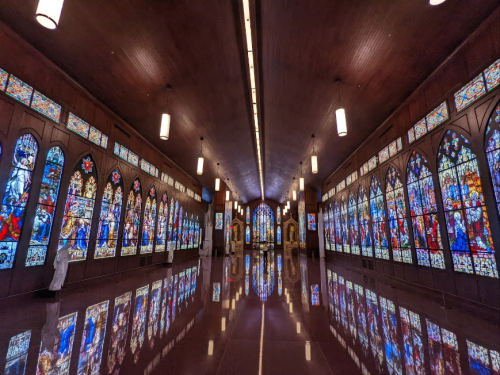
{"type": "Point", "coordinates": [377, 213]}
{"type": "Point", "coordinates": [196, 233]}
{"type": "Point", "coordinates": [345, 226]}
{"type": "Point", "coordinates": [148, 222]}
{"type": "Point", "coordinates": [353, 223]}
{"type": "Point", "coordinates": [364, 223]}
{"type": "Point", "coordinates": [263, 225]}
{"type": "Point", "coordinates": [469, 232]}
{"type": "Point", "coordinates": [185, 232]}
{"type": "Point", "coordinates": [161, 229]}
{"type": "Point", "coordinates": [493, 151]}
{"type": "Point", "coordinates": [396, 211]}
{"type": "Point", "coordinates": [171, 226]}
{"type": "Point", "coordinates": [132, 219]}
{"type": "Point", "coordinates": [46, 208]}
{"type": "Point", "coordinates": [424, 212]}
{"type": "Point", "coordinates": [78, 210]}
{"type": "Point", "coordinates": [109, 219]}
{"type": "Point", "coordinates": [338, 227]}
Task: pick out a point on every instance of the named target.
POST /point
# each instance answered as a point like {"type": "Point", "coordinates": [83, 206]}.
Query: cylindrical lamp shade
{"type": "Point", "coordinates": [217, 184]}
{"type": "Point", "coordinates": [294, 195]}
{"type": "Point", "coordinates": [199, 170]}
{"type": "Point", "coordinates": [235, 205]}
{"type": "Point", "coordinates": [341, 122]}
{"type": "Point", "coordinates": [49, 12]}
{"type": "Point", "coordinates": [301, 184]}
{"type": "Point", "coordinates": [287, 205]}
{"type": "Point", "coordinates": [165, 126]}
{"type": "Point", "coordinates": [436, 2]}
{"type": "Point", "coordinates": [227, 195]}
{"type": "Point", "coordinates": [314, 164]}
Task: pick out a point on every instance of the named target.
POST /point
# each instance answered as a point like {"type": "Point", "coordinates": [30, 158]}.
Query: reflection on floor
{"type": "Point", "coordinates": [247, 314]}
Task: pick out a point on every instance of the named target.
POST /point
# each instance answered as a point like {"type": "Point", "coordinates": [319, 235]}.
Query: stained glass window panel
{"type": "Point", "coordinates": [263, 226]}
{"type": "Point", "coordinates": [19, 90]}
{"type": "Point", "coordinates": [393, 149]}
{"type": "Point", "coordinates": [353, 224]}
{"type": "Point", "coordinates": [148, 223]}
{"type": "Point", "coordinates": [338, 227]}
{"type": "Point", "coordinates": [364, 223]}
{"type": "Point", "coordinates": [372, 163]}
{"type": "Point", "coordinates": [399, 144]}
{"type": "Point", "coordinates": [46, 107]}
{"type": "Point", "coordinates": [470, 93]}
{"type": "Point", "coordinates": [437, 116]}
{"type": "Point", "coordinates": [161, 230]}
{"type": "Point", "coordinates": [132, 219]}
{"type": "Point", "coordinates": [411, 135]}
{"type": "Point", "coordinates": [78, 210]}
{"type": "Point", "coordinates": [185, 232]}
{"type": "Point", "coordinates": [78, 126]}
{"type": "Point", "coordinates": [493, 151]}
{"type": "Point", "coordinates": [3, 79]}
{"type": "Point", "coordinates": [483, 361]}
{"type": "Point", "coordinates": [377, 213]}
{"type": "Point", "coordinates": [420, 129]}
{"type": "Point", "coordinates": [278, 235]}
{"type": "Point", "coordinates": [278, 215]}
{"type": "Point", "coordinates": [17, 354]}
{"type": "Point", "coordinates": [492, 75]}
{"type": "Point", "coordinates": [345, 227]}
{"type": "Point", "coordinates": [170, 242]}
{"type": "Point", "coordinates": [45, 210]}
{"type": "Point", "coordinates": [95, 136]}
{"type": "Point", "coordinates": [469, 232]}
{"type": "Point", "coordinates": [17, 191]}
{"type": "Point", "coordinates": [383, 155]}
{"type": "Point", "coordinates": [109, 219]}
{"type": "Point", "coordinates": [179, 229]}
{"type": "Point", "coordinates": [139, 321]}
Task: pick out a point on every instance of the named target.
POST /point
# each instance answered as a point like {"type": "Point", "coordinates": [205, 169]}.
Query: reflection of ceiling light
{"type": "Point", "coordinates": [308, 351]}
{"type": "Point", "coordinates": [48, 13]}
{"type": "Point", "coordinates": [211, 347]}
{"type": "Point", "coordinates": [436, 2]}
{"type": "Point", "coordinates": [223, 324]}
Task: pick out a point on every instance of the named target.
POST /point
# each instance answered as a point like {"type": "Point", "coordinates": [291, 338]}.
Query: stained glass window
{"type": "Point", "coordinates": [278, 235]}
{"type": "Point", "coordinates": [3, 79]}
{"type": "Point", "coordinates": [109, 219]}
{"type": "Point", "coordinates": [248, 215]}
{"type": "Point", "coordinates": [353, 224]}
{"type": "Point", "coordinates": [78, 210]}
{"type": "Point", "coordinates": [470, 92]}
{"type": "Point", "coordinates": [443, 350]}
{"type": "Point", "coordinates": [278, 215]}
{"type": "Point", "coordinates": [424, 213]}
{"type": "Point", "coordinates": [420, 128]}
{"type": "Point", "coordinates": [45, 209]}
{"type": "Point", "coordinates": [412, 342]}
{"type": "Point", "coordinates": [19, 90]}
{"type": "Point", "coordinates": [377, 213]}
{"type": "Point", "coordinates": [326, 228]}
{"type": "Point", "coordinates": [372, 163]}
{"type": "Point", "coordinates": [118, 340]}
{"type": "Point", "coordinates": [148, 223]}
{"type": "Point", "coordinates": [46, 107]}
{"type": "Point", "coordinates": [483, 361]}
{"type": "Point", "coordinates": [197, 238]}
{"type": "Point", "coordinates": [139, 321]}
{"type": "Point", "coordinates": [396, 210]}
{"type": "Point", "coordinates": [492, 75]}
{"type": "Point", "coordinates": [16, 196]}
{"type": "Point", "coordinates": [191, 233]}
{"type": "Point", "coordinates": [185, 232]}
{"type": "Point", "coordinates": [175, 224]}
{"type": "Point", "coordinates": [467, 222]}
{"type": "Point", "coordinates": [493, 151]}
{"type": "Point", "coordinates": [170, 239]}
{"type": "Point", "coordinates": [332, 228]}
{"type": "Point", "coordinates": [132, 219]}
{"type": "Point", "coordinates": [383, 155]}
{"type": "Point", "coordinates": [161, 230]}
{"type": "Point", "coordinates": [364, 223]}
{"type": "Point", "coordinates": [247, 234]}
{"type": "Point", "coordinates": [154, 312]}
{"type": "Point", "coordinates": [77, 125]}
{"type": "Point", "coordinates": [437, 116]}
{"type": "Point", "coordinates": [263, 226]}
{"type": "Point", "coordinates": [338, 227]}
{"type": "Point", "coordinates": [179, 229]}
{"type": "Point", "coordinates": [346, 242]}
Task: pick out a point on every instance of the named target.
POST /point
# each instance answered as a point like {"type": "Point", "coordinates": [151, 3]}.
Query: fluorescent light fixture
{"type": "Point", "coordinates": [211, 347]}
{"type": "Point", "coordinates": [48, 13]}
{"type": "Point", "coordinates": [314, 164]}
{"type": "Point", "coordinates": [233, 304]}
{"type": "Point", "coordinates": [217, 184]}
{"type": "Point", "coordinates": [298, 327]}
{"type": "Point", "coordinates": [227, 195]}
{"type": "Point", "coordinates": [235, 205]}
{"type": "Point", "coordinates": [436, 2]}
{"type": "Point", "coordinates": [288, 205]}
{"type": "Point", "coordinates": [223, 324]}
{"type": "Point", "coordinates": [341, 122]}
{"type": "Point", "coordinates": [301, 184]}
{"type": "Point", "coordinates": [165, 126]}
{"type": "Point", "coordinates": [291, 307]}
{"type": "Point", "coordinates": [308, 351]}
{"type": "Point", "coordinates": [199, 170]}
{"type": "Point", "coordinates": [294, 195]}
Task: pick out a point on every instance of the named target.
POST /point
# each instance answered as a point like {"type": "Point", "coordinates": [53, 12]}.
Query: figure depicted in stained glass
{"type": "Point", "coordinates": [148, 223]}
{"type": "Point", "coordinates": [424, 216]}
{"type": "Point", "coordinates": [346, 242]}
{"type": "Point", "coordinates": [353, 224]}
{"type": "Point", "coordinates": [132, 219]}
{"type": "Point", "coordinates": [263, 226]}
{"type": "Point", "coordinates": [493, 151]}
{"type": "Point", "coordinates": [109, 219]}
{"type": "Point", "coordinates": [338, 227]}
{"type": "Point", "coordinates": [161, 230]}
{"type": "Point", "coordinates": [467, 222]}
{"type": "Point", "coordinates": [396, 210]}
{"type": "Point", "coordinates": [78, 210]}
{"type": "Point", "coordinates": [364, 223]}
{"type": "Point", "coordinates": [377, 213]}
{"type": "Point", "coordinates": [247, 215]}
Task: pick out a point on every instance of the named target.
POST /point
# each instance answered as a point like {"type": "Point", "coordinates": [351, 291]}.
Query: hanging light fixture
{"type": "Point", "coordinates": [217, 180]}
{"type": "Point", "coordinates": [314, 159]}
{"type": "Point", "coordinates": [48, 13]}
{"type": "Point", "coordinates": [235, 205]}
{"type": "Point", "coordinates": [165, 121]}
{"type": "Point", "coordinates": [301, 179]}
{"type": "Point", "coordinates": [436, 2]}
{"type": "Point", "coordinates": [227, 195]}
{"type": "Point", "coordinates": [340, 114]}
{"type": "Point", "coordinates": [294, 195]}
{"type": "Point", "coordinates": [199, 170]}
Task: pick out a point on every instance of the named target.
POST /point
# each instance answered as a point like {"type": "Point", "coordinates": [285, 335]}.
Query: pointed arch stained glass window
{"type": "Point", "coordinates": [46, 207]}
{"type": "Point", "coordinates": [197, 238]}
{"type": "Point", "coordinates": [175, 225]}
{"type": "Point", "coordinates": [109, 219]}
{"type": "Point", "coordinates": [338, 227]}
{"type": "Point", "coordinates": [263, 226]}
{"type": "Point", "coordinates": [179, 229]}
{"type": "Point", "coordinates": [278, 215]}
{"type": "Point", "coordinates": [377, 213]}
{"type": "Point", "coordinates": [467, 222]}
{"type": "Point", "coordinates": [161, 230]}
{"type": "Point", "coordinates": [396, 210]}
{"type": "Point", "coordinates": [248, 215]}
{"type": "Point", "coordinates": [364, 223]}
{"type": "Point", "coordinates": [132, 219]}
{"type": "Point", "coordinates": [148, 223]}
{"type": "Point", "coordinates": [170, 239]}
{"type": "Point", "coordinates": [332, 228]}
{"type": "Point", "coordinates": [345, 227]}
{"type": "Point", "coordinates": [493, 151]}
{"type": "Point", "coordinates": [423, 211]}
{"type": "Point", "coordinates": [326, 229]}
{"type": "Point", "coordinates": [353, 224]}
{"type": "Point", "coordinates": [79, 208]}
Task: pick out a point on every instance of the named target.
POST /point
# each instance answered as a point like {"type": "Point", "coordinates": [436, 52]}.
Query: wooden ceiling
{"type": "Point", "coordinates": [126, 51]}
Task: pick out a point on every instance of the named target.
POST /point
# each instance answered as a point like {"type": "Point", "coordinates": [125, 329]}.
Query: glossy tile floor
{"type": "Point", "coordinates": [247, 315]}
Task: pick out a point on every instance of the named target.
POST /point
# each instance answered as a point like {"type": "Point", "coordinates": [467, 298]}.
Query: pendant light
{"type": "Point", "coordinates": [314, 159]}
{"type": "Point", "coordinates": [165, 121]}
{"type": "Point", "coordinates": [340, 114]}
{"type": "Point", "coordinates": [294, 195]}
{"type": "Point", "coordinates": [217, 180]}
{"type": "Point", "coordinates": [199, 170]}
{"type": "Point", "coordinates": [301, 179]}
{"type": "Point", "coordinates": [227, 195]}
{"type": "Point", "coordinates": [235, 205]}
{"type": "Point", "coordinates": [48, 13]}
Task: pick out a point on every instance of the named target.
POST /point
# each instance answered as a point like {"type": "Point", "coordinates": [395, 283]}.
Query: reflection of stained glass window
{"type": "Point", "coordinates": [161, 230]}
{"type": "Point", "coordinates": [493, 151]}
{"type": "Point", "coordinates": [443, 350]}
{"type": "Point", "coordinates": [263, 225]}
{"type": "Point", "coordinates": [372, 317]}
{"type": "Point", "coordinates": [361, 316]}
{"type": "Point", "coordinates": [118, 340]}
{"type": "Point", "coordinates": [377, 213]}
{"type": "Point", "coordinates": [396, 209]}
{"type": "Point", "coordinates": [470, 92]}
{"type": "Point", "coordinates": [345, 227]}
{"type": "Point", "coordinates": [170, 241]}
{"type": "Point", "coordinates": [247, 234]}
{"type": "Point", "coordinates": [17, 353]}
{"type": "Point", "coordinates": [16, 196]}
{"type": "Point", "coordinates": [132, 219]}
{"type": "Point", "coordinates": [148, 222]}
{"type": "Point", "coordinates": [78, 210]}
{"type": "Point", "coordinates": [412, 342]}
{"type": "Point", "coordinates": [154, 312]}
{"type": "Point", "coordinates": [338, 227]}
{"type": "Point", "coordinates": [423, 210]}
{"type": "Point", "coordinates": [482, 360]}
{"type": "Point", "coordinates": [109, 219]}
{"type": "Point", "coordinates": [466, 218]}
{"type": "Point", "coordinates": [389, 325]}
{"type": "Point", "coordinates": [45, 209]}
{"type": "Point", "coordinates": [139, 321]}
{"type": "Point", "coordinates": [353, 224]}
{"type": "Point", "coordinates": [216, 292]}
{"type": "Point", "coordinates": [364, 223]}
{"type": "Point", "coordinates": [278, 235]}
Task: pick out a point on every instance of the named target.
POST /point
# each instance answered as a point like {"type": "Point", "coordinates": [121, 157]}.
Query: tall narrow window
{"type": "Point", "coordinates": [109, 220]}
{"type": "Point", "coordinates": [179, 229]}
{"type": "Point", "coordinates": [278, 235]}
{"type": "Point", "coordinates": [353, 223]}
{"type": "Point", "coordinates": [248, 215]}
{"type": "Point", "coordinates": [378, 219]}
{"type": "Point", "coordinates": [161, 230]}
{"type": "Point", "coordinates": [171, 226]}
{"type": "Point", "coordinates": [338, 227]}
{"type": "Point", "coordinates": [396, 210]}
{"type": "Point", "coordinates": [263, 226]}
{"type": "Point", "coordinates": [332, 228]}
{"type": "Point", "coordinates": [148, 223]}
{"type": "Point", "coordinates": [197, 233]}
{"type": "Point", "coordinates": [423, 210]}
{"type": "Point", "coordinates": [326, 228]}
{"type": "Point", "coordinates": [469, 232]}
{"type": "Point", "coordinates": [78, 210]}
{"type": "Point", "coordinates": [278, 215]}
{"type": "Point", "coordinates": [493, 151]}
{"type": "Point", "coordinates": [345, 227]}
{"type": "Point", "coordinates": [16, 196]}
{"type": "Point", "coordinates": [247, 234]}
{"type": "Point", "coordinates": [191, 233]}
{"type": "Point", "coordinates": [132, 219]}
{"type": "Point", "coordinates": [46, 207]}
{"type": "Point", "coordinates": [364, 223]}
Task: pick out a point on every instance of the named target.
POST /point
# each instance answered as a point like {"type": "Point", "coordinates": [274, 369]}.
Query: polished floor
{"type": "Point", "coordinates": [246, 314]}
